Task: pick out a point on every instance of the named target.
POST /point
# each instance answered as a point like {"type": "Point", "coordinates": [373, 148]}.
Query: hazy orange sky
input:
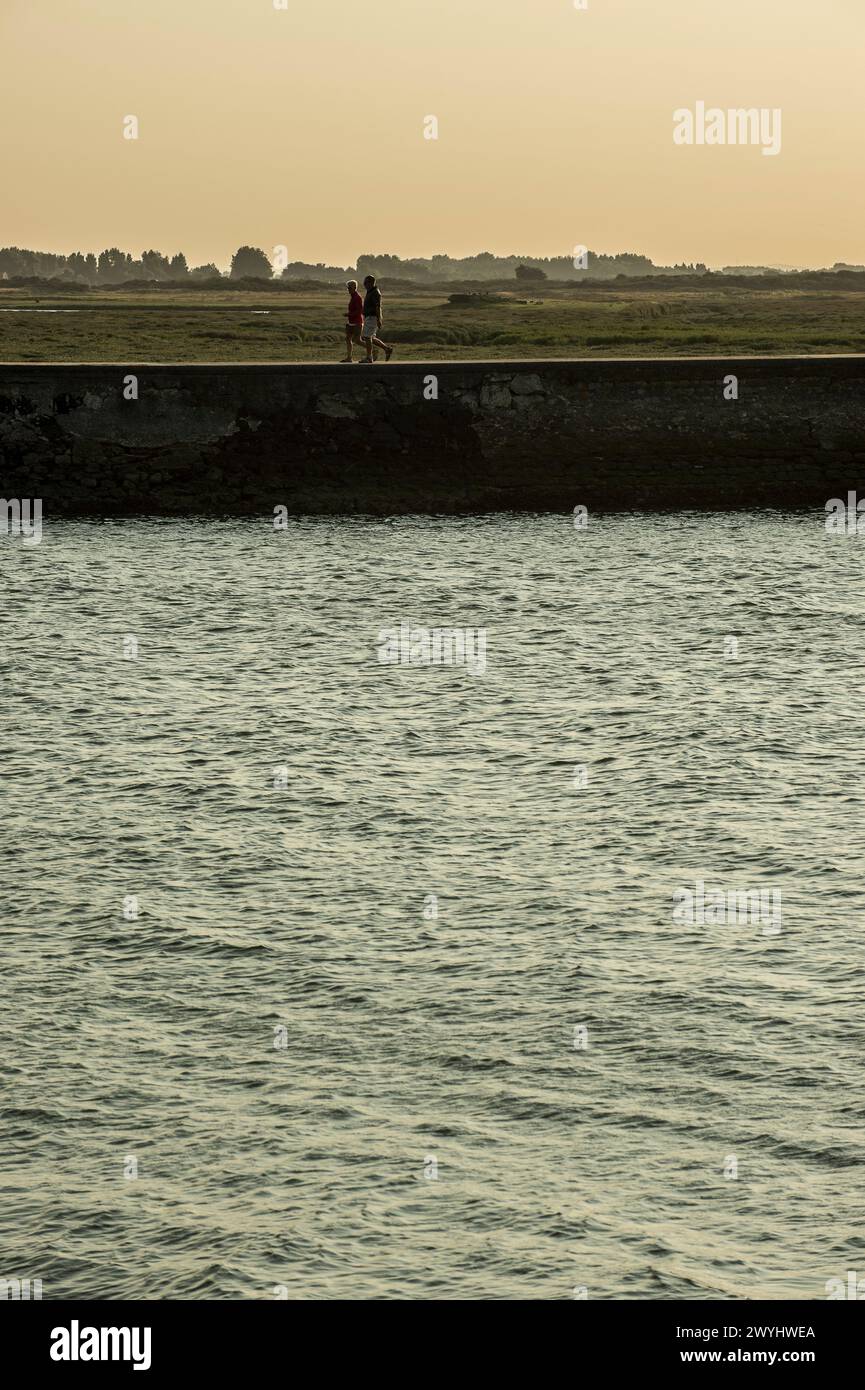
{"type": "Point", "coordinates": [304, 127]}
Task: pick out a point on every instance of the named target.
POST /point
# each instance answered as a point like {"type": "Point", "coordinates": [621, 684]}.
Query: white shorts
{"type": "Point", "coordinates": [370, 328]}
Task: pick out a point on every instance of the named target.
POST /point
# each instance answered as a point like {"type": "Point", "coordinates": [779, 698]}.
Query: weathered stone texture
{"type": "Point", "coordinates": [500, 435]}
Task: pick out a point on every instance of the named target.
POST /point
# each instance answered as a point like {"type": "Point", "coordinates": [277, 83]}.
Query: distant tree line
{"type": "Point", "coordinates": [116, 267]}
{"type": "Point", "coordinates": [486, 266]}
{"type": "Point", "coordinates": [110, 267]}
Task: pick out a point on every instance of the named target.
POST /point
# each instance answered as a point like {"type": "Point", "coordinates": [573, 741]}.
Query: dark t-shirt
{"type": "Point", "coordinates": [372, 303]}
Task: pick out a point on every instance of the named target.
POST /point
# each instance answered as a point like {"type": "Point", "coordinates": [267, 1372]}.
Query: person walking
{"type": "Point", "coordinates": [372, 321]}
{"type": "Point", "coordinates": [354, 327]}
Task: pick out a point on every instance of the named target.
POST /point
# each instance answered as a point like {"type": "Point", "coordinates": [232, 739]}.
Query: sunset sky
{"type": "Point", "coordinates": [304, 127]}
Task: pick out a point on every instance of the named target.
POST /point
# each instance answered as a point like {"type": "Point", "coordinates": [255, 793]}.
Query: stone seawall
{"type": "Point", "coordinates": [452, 437]}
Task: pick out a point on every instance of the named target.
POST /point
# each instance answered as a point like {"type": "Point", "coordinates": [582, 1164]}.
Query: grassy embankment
{"type": "Point", "coordinates": [304, 325]}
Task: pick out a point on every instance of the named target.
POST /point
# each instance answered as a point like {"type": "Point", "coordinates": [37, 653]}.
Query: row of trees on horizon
{"type": "Point", "coordinates": [116, 267]}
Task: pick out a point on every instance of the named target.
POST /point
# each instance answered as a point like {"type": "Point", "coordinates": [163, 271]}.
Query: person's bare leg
{"type": "Point", "coordinates": [377, 342]}
{"type": "Point", "coordinates": [352, 340]}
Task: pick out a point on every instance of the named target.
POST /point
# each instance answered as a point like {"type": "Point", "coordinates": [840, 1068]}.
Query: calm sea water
{"type": "Point", "coordinates": [324, 1087]}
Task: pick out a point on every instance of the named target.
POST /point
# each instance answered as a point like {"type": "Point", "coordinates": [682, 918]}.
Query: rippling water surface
{"type": "Point", "coordinates": [325, 1088]}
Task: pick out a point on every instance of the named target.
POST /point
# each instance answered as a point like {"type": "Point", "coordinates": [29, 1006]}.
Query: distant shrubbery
{"type": "Point", "coordinates": [116, 267]}
{"type": "Point", "coordinates": [476, 301]}
{"type": "Point", "coordinates": [320, 273]}
{"type": "Point", "coordinates": [486, 266]}
{"type": "Point", "coordinates": [250, 267]}
{"type": "Point", "coordinates": [249, 263]}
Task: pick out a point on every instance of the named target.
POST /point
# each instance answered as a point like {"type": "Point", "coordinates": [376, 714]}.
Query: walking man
{"type": "Point", "coordinates": [372, 320]}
